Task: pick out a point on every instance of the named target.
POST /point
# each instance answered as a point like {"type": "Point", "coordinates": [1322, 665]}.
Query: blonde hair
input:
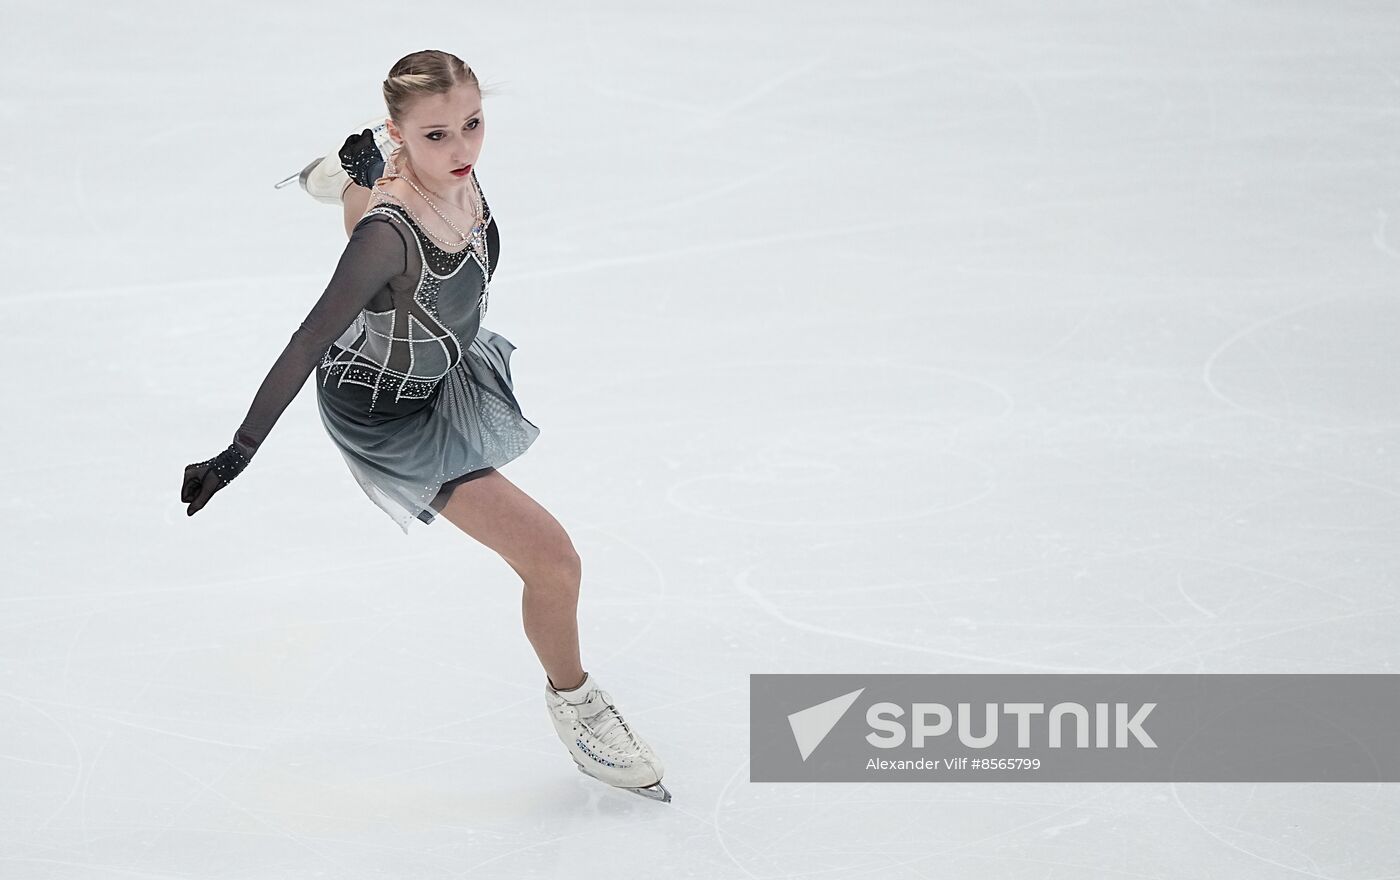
{"type": "Point", "coordinates": [429, 72]}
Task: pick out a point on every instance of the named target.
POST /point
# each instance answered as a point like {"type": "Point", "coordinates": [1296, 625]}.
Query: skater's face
{"type": "Point", "coordinates": [442, 133]}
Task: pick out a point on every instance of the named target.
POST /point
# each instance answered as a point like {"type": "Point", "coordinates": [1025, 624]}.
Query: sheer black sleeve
{"type": "Point", "coordinates": [493, 248]}
{"type": "Point", "coordinates": [376, 253]}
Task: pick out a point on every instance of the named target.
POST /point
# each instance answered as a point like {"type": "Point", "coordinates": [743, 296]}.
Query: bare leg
{"type": "Point", "coordinates": [356, 199]}
{"type": "Point", "coordinates": [496, 512]}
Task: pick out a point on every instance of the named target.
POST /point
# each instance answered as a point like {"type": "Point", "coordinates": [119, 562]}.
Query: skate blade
{"type": "Point", "coordinates": [299, 176]}
{"type": "Point", "coordinates": [654, 792]}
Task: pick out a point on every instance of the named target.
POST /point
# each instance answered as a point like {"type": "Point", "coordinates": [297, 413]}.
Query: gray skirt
{"type": "Point", "coordinates": [408, 455]}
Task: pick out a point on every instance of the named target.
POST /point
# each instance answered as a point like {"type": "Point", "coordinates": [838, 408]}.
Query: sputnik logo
{"type": "Point", "coordinates": [811, 725]}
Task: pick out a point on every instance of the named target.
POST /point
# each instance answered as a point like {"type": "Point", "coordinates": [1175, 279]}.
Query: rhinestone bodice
{"type": "Point", "coordinates": [395, 358]}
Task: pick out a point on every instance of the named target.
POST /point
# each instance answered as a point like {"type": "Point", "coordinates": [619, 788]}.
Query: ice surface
{"type": "Point", "coordinates": [863, 337]}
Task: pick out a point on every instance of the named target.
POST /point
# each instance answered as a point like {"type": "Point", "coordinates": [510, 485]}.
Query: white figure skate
{"type": "Point", "coordinates": [325, 179]}
{"type": "Point", "coordinates": [601, 742]}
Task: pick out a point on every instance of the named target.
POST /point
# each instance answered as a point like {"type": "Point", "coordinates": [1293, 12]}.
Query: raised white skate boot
{"type": "Point", "coordinates": [326, 179]}
{"type": "Point", "coordinates": [602, 743]}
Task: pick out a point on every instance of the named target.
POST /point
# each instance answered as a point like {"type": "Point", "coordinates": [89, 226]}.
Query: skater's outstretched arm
{"type": "Point", "coordinates": [376, 253]}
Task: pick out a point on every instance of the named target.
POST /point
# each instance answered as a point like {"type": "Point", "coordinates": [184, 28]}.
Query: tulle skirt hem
{"type": "Point", "coordinates": [471, 422]}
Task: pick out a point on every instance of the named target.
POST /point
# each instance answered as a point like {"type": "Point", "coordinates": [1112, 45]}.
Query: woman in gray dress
{"type": "Point", "coordinates": [417, 395]}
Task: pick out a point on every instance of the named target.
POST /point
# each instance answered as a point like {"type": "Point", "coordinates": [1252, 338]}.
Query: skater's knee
{"type": "Point", "coordinates": [555, 564]}
{"type": "Point", "coordinates": [567, 565]}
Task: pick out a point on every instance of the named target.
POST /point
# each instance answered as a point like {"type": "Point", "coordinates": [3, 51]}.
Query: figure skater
{"type": "Point", "coordinates": [417, 394]}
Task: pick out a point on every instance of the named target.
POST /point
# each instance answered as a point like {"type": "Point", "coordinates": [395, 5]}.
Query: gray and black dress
{"type": "Point", "coordinates": [414, 392]}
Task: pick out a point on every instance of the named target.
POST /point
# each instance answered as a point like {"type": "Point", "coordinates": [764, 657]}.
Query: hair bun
{"type": "Point", "coordinates": [429, 72]}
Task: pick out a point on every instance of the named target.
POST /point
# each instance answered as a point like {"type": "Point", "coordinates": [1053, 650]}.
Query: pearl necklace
{"type": "Point", "coordinates": [476, 241]}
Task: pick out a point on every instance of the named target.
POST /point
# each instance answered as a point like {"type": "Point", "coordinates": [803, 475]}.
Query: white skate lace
{"type": "Point", "coordinates": [610, 728]}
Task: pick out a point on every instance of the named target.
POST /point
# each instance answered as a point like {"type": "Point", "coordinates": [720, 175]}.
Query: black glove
{"type": "Point", "coordinates": [202, 480]}
{"type": "Point", "coordinates": [361, 159]}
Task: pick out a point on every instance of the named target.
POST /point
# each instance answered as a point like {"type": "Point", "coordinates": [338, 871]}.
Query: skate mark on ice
{"type": "Point", "coordinates": [1208, 368]}
{"type": "Point", "coordinates": [741, 583]}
